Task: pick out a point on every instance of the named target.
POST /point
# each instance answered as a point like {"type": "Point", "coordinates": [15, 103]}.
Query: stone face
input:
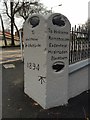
{"type": "Point", "coordinates": [46, 55]}
{"type": "Point", "coordinates": [35, 59]}
{"type": "Point", "coordinates": [57, 60]}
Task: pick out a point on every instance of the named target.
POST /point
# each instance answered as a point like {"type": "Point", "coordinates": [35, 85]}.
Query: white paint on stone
{"type": "Point", "coordinates": [35, 60]}
{"type": "Point", "coordinates": [78, 80]}
{"type": "Point", "coordinates": [58, 53]}
{"type": "Point", "coordinates": [46, 55]}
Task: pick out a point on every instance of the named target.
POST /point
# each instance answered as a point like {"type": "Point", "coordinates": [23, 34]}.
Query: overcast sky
{"type": "Point", "coordinates": [75, 10]}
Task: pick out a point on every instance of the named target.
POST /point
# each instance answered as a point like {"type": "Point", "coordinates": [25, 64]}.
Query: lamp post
{"type": "Point", "coordinates": [55, 6]}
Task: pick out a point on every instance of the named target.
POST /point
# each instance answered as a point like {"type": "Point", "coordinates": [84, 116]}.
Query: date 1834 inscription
{"type": "Point", "coordinates": [33, 66]}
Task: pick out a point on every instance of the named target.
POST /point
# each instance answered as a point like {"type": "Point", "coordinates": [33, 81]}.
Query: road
{"type": "Point", "coordinates": [10, 54]}
{"type": "Point", "coordinates": [16, 104]}
{"type": "Point", "coordinates": [7, 55]}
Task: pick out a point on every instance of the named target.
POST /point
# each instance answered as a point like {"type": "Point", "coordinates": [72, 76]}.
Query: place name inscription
{"type": "Point", "coordinates": [58, 38]}
{"type": "Point", "coordinates": [32, 45]}
{"type": "Point", "coordinates": [55, 31]}
{"type": "Point", "coordinates": [32, 39]}
{"type": "Point", "coordinates": [58, 50]}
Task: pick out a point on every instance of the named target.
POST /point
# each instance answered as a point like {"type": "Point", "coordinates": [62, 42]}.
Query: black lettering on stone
{"type": "Point", "coordinates": [57, 52]}
{"type": "Point", "coordinates": [32, 45]}
{"type": "Point", "coordinates": [57, 58]}
{"type": "Point", "coordinates": [57, 38]}
{"type": "Point", "coordinates": [33, 39]}
{"type": "Point", "coordinates": [60, 32]}
{"type": "Point", "coordinates": [57, 45]}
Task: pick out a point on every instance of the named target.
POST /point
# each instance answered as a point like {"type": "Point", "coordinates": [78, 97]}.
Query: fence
{"type": "Point", "coordinates": [79, 46]}
{"type": "Point", "coordinates": [8, 39]}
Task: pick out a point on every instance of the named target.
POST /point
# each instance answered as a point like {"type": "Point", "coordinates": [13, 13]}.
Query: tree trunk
{"type": "Point", "coordinates": [3, 31]}
{"type": "Point", "coordinates": [12, 24]}
{"type": "Point", "coordinates": [16, 29]}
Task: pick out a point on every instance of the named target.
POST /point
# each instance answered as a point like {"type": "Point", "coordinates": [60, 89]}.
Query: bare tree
{"type": "Point", "coordinates": [29, 9]}
{"type": "Point", "coordinates": [12, 23]}
{"type": "Point", "coordinates": [11, 15]}
{"type": "Point", "coordinates": [3, 30]}
{"type": "Point", "coordinates": [24, 8]}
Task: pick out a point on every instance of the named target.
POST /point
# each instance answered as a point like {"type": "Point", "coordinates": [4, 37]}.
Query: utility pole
{"type": "Point", "coordinates": [3, 31]}
{"type": "Point", "coordinates": [12, 23]}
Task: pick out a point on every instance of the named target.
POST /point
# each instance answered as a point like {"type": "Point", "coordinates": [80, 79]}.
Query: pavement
{"type": "Point", "coordinates": [16, 104]}
{"type": "Point", "coordinates": [10, 54]}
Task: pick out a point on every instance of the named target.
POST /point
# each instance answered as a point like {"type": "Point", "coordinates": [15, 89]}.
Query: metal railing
{"type": "Point", "coordinates": [79, 45]}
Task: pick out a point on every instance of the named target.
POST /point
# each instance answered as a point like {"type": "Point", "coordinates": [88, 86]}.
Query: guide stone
{"type": "Point", "coordinates": [46, 54]}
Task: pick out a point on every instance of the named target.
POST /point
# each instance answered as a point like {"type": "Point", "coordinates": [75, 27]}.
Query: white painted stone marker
{"type": "Point", "coordinates": [46, 57]}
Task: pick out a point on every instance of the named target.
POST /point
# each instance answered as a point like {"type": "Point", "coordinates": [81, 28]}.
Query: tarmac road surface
{"type": "Point", "coordinates": [16, 104]}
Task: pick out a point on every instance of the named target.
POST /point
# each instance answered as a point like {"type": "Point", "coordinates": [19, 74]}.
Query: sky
{"type": "Point", "coordinates": [89, 10]}
{"type": "Point", "coordinates": [75, 10]}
